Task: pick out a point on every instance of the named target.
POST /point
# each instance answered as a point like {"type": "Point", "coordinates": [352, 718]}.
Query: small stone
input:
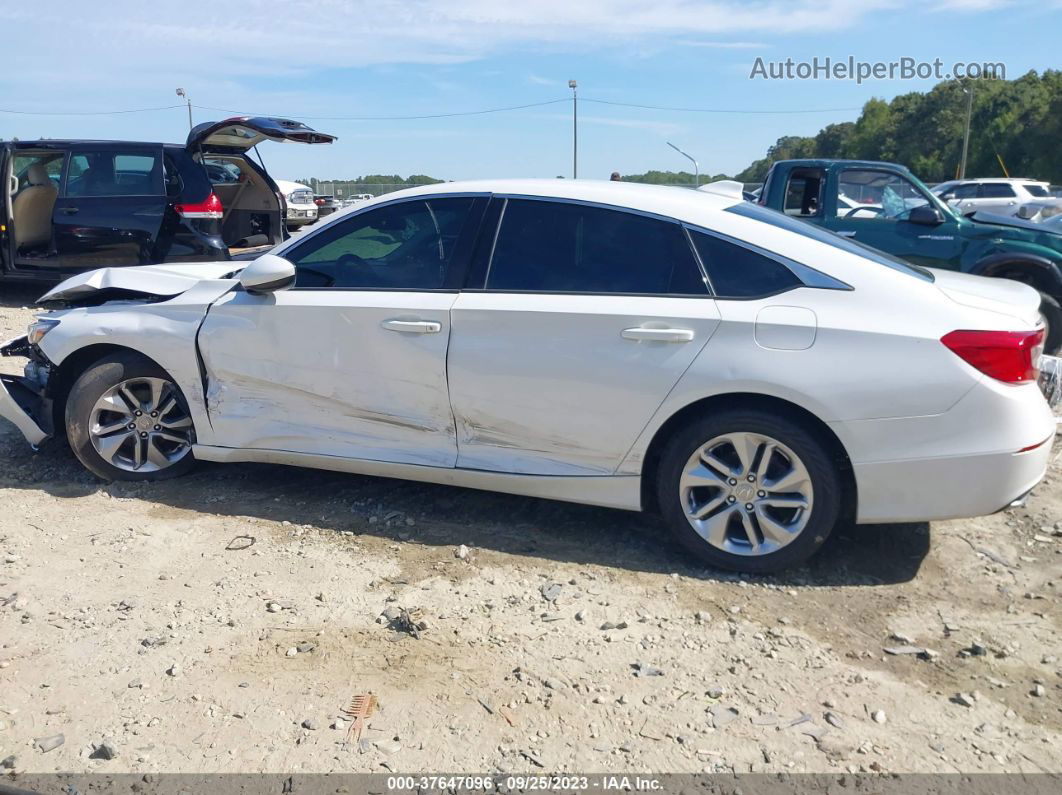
{"type": "Point", "coordinates": [1049, 659]}
{"type": "Point", "coordinates": [722, 716]}
{"type": "Point", "coordinates": [8, 762]}
{"type": "Point", "coordinates": [305, 647]}
{"type": "Point", "coordinates": [641, 669]}
{"type": "Point", "coordinates": [552, 684]}
{"type": "Point", "coordinates": [715, 692]}
{"type": "Point", "coordinates": [273, 607]}
{"type": "Point", "coordinates": [11, 558]}
{"type": "Point", "coordinates": [105, 750]}
{"type": "Point", "coordinates": [136, 684]}
{"type": "Point", "coordinates": [551, 592]}
{"type": "Point", "coordinates": [310, 724]}
{"type": "Point", "coordinates": [702, 616]}
{"type": "Point", "coordinates": [292, 652]}
{"type": "Point", "coordinates": [878, 716]}
{"type": "Point", "coordinates": [1039, 691]}
{"type": "Point", "coordinates": [388, 747]}
{"type": "Point", "coordinates": [174, 669]}
{"type": "Point", "coordinates": [963, 699]}
{"type": "Point", "coordinates": [834, 720]}
{"type": "Point", "coordinates": [46, 744]}
{"type": "Point", "coordinates": [339, 724]}
{"type": "Point", "coordinates": [610, 625]}
{"type": "Point", "coordinates": [461, 553]}
{"type": "Point", "coordinates": [580, 616]}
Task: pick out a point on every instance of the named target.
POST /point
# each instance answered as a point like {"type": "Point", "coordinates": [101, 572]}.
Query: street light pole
{"type": "Point", "coordinates": [575, 129]}
{"type": "Point", "coordinates": [966, 134]}
{"type": "Point", "coordinates": [181, 93]}
{"type": "Point", "coordinates": [696, 166]}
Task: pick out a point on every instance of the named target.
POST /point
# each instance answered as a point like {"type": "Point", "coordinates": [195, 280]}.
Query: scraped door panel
{"type": "Point", "coordinates": [357, 374]}
{"type": "Point", "coordinates": [563, 384]}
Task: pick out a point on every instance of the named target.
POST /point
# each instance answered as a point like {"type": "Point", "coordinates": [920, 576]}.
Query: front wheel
{"type": "Point", "coordinates": [126, 419]}
{"type": "Point", "coordinates": [749, 491]}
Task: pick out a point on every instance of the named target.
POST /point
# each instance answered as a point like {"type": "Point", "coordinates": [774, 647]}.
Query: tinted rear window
{"type": "Point", "coordinates": [737, 272]}
{"type": "Point", "coordinates": [774, 218]}
{"type": "Point", "coordinates": [561, 247]}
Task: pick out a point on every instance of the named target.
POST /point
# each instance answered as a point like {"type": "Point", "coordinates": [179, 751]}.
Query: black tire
{"type": "Point", "coordinates": [1051, 311]}
{"type": "Point", "coordinates": [89, 388]}
{"type": "Point", "coordinates": [824, 475]}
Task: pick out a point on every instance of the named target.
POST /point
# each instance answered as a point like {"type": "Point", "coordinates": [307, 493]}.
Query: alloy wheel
{"type": "Point", "coordinates": [746, 493]}
{"type": "Point", "coordinates": [139, 425]}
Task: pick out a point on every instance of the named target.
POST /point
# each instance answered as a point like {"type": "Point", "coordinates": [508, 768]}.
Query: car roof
{"type": "Point", "coordinates": [827, 162]}
{"type": "Point", "coordinates": [666, 200]}
{"type": "Point", "coordinates": [50, 143]}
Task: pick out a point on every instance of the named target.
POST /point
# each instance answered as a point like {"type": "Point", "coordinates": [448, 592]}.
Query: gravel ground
{"type": "Point", "coordinates": [555, 637]}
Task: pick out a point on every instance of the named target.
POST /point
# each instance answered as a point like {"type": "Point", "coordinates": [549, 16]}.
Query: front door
{"type": "Point", "coordinates": [351, 362]}
{"type": "Point", "coordinates": [111, 206]}
{"type": "Point", "coordinates": [585, 321]}
{"type": "Point", "coordinates": [873, 207]}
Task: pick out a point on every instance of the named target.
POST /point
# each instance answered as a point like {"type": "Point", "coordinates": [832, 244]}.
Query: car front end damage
{"type": "Point", "coordinates": [25, 400]}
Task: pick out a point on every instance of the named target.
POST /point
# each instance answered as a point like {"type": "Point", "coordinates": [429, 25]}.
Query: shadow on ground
{"type": "Point", "coordinates": [448, 516]}
{"type": "Point", "coordinates": [15, 296]}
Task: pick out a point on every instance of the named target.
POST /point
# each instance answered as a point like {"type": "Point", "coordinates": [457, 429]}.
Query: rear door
{"type": "Point", "coordinates": [351, 362]}
{"type": "Point", "coordinates": [111, 205]}
{"type": "Point", "coordinates": [579, 322]}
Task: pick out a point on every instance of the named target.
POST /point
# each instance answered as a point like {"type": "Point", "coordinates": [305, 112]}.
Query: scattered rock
{"type": "Point", "coordinates": [641, 669]}
{"type": "Point", "coordinates": [305, 647]}
{"type": "Point", "coordinates": [292, 652]}
{"type": "Point", "coordinates": [310, 724]}
{"type": "Point", "coordinates": [878, 716]}
{"type": "Point", "coordinates": [722, 715]}
{"type": "Point", "coordinates": [608, 625]}
{"type": "Point", "coordinates": [551, 591]}
{"type": "Point", "coordinates": [174, 669]}
{"type": "Point", "coordinates": [136, 684]}
{"type": "Point", "coordinates": [105, 750]}
{"type": "Point", "coordinates": [461, 553]}
{"type": "Point", "coordinates": [835, 746]}
{"type": "Point", "coordinates": [715, 692]}
{"type": "Point", "coordinates": [8, 762]}
{"type": "Point", "coordinates": [834, 720]}
{"type": "Point", "coordinates": [963, 699]}
{"type": "Point", "coordinates": [388, 747]}
{"type": "Point", "coordinates": [1038, 691]}
{"type": "Point", "coordinates": [46, 744]}
{"type": "Point", "coordinates": [273, 607]}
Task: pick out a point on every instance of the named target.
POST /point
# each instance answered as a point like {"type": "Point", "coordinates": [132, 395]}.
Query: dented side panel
{"type": "Point", "coordinates": [315, 371]}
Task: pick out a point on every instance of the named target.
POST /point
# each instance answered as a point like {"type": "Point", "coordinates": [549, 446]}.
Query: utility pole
{"type": "Point", "coordinates": [966, 134]}
{"type": "Point", "coordinates": [696, 166]}
{"type": "Point", "coordinates": [181, 93]}
{"type": "Point", "coordinates": [575, 129]}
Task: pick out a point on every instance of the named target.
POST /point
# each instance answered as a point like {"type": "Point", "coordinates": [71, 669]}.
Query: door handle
{"type": "Point", "coordinates": [846, 234]}
{"type": "Point", "coordinates": [658, 334]}
{"type": "Point", "coordinates": [413, 326]}
{"type": "Point", "coordinates": [69, 211]}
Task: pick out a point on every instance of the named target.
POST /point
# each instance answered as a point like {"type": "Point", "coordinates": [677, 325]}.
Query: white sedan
{"type": "Point", "coordinates": [752, 378]}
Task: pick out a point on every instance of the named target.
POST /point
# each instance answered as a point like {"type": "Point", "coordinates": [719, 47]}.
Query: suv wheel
{"type": "Point", "coordinates": [749, 491]}
{"type": "Point", "coordinates": [127, 420]}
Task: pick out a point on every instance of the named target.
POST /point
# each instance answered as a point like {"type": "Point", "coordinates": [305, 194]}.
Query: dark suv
{"type": "Point", "coordinates": [76, 205]}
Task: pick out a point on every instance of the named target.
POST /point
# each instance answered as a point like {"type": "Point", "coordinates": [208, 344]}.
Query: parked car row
{"type": "Point", "coordinates": [1025, 198]}
{"type": "Point", "coordinates": [754, 378]}
{"type": "Point", "coordinates": [69, 205]}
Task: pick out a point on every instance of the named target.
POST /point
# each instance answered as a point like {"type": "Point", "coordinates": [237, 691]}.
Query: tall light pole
{"type": "Point", "coordinates": [696, 166]}
{"type": "Point", "coordinates": [180, 93]}
{"type": "Point", "coordinates": [575, 128]}
{"type": "Point", "coordinates": [966, 134]}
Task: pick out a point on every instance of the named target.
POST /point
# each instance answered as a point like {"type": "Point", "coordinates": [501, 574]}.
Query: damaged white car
{"type": "Point", "coordinates": [753, 378]}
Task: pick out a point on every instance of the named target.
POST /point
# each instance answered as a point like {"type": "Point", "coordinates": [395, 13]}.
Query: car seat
{"type": "Point", "coordinates": [32, 209]}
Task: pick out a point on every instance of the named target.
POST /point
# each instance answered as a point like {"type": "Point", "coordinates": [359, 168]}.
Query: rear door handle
{"type": "Point", "coordinates": [413, 326]}
{"type": "Point", "coordinates": [658, 334]}
{"type": "Point", "coordinates": [846, 234]}
{"type": "Point", "coordinates": [70, 210]}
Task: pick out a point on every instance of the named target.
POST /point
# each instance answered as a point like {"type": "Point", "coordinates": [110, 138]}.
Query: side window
{"type": "Point", "coordinates": [803, 193]}
{"type": "Point", "coordinates": [52, 162]}
{"type": "Point", "coordinates": [737, 272]}
{"type": "Point", "coordinates": [996, 190]}
{"type": "Point", "coordinates": [877, 194]}
{"type": "Point", "coordinates": [404, 246]}
{"type": "Point", "coordinates": [559, 247]}
{"type": "Point", "coordinates": [115, 173]}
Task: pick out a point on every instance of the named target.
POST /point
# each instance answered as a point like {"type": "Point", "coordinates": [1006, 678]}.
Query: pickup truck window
{"type": "Point", "coordinates": [803, 192]}
{"type": "Point", "coordinates": [867, 193]}
{"type": "Point", "coordinates": [775, 218]}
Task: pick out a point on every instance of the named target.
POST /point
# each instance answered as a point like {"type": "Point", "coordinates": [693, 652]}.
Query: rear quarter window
{"type": "Point", "coordinates": [738, 272]}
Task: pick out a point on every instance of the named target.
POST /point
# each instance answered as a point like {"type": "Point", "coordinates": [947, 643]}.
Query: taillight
{"type": "Point", "coordinates": [319, 202]}
{"type": "Point", "coordinates": [1009, 356]}
{"type": "Point", "coordinates": [211, 208]}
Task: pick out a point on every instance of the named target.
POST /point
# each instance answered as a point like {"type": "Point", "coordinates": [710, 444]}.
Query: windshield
{"type": "Point", "coordinates": [775, 218]}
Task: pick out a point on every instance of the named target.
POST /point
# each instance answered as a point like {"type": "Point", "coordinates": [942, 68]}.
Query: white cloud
{"type": "Point", "coordinates": [726, 45]}
{"type": "Point", "coordinates": [971, 5]}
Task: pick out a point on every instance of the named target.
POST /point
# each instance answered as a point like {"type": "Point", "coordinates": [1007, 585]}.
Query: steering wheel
{"type": "Point", "coordinates": [876, 210]}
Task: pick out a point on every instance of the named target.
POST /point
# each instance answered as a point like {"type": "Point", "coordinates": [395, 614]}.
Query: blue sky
{"type": "Point", "coordinates": [306, 58]}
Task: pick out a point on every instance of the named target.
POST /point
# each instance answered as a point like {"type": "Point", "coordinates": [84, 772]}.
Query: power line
{"type": "Point", "coordinates": [395, 118]}
{"type": "Point", "coordinates": [435, 115]}
{"type": "Point", "coordinates": [87, 112]}
{"type": "Point", "coordinates": [714, 110]}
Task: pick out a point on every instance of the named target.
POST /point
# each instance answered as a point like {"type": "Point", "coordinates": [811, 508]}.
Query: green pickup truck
{"type": "Point", "coordinates": [885, 206]}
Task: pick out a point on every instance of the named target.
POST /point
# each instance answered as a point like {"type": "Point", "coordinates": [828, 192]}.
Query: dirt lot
{"type": "Point", "coordinates": [567, 638]}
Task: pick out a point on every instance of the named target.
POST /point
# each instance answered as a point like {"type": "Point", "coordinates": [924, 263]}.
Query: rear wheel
{"type": "Point", "coordinates": [749, 491]}
{"type": "Point", "coordinates": [126, 419]}
{"type": "Point", "coordinates": [1051, 312]}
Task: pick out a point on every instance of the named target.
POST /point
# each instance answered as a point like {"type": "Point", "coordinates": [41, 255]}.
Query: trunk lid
{"type": "Point", "coordinates": [1002, 296]}
{"type": "Point", "coordinates": [245, 132]}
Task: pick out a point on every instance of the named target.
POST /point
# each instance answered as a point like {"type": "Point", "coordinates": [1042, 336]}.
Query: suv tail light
{"type": "Point", "coordinates": [319, 202]}
{"type": "Point", "coordinates": [211, 208]}
{"type": "Point", "coordinates": [1009, 356]}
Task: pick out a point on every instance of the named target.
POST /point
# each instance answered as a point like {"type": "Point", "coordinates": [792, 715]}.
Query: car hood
{"type": "Point", "coordinates": [159, 281]}
{"type": "Point", "coordinates": [1007, 220]}
{"type": "Point", "coordinates": [1002, 296]}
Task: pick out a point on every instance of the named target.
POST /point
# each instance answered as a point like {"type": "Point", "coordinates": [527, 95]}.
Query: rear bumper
{"type": "Point", "coordinates": [21, 405]}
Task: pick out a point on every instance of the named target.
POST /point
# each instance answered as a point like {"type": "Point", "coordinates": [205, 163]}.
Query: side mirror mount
{"type": "Point", "coordinates": [926, 215]}
{"type": "Point", "coordinates": [268, 274]}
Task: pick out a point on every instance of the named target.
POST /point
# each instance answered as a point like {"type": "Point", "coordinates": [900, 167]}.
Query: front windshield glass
{"type": "Point", "coordinates": [867, 193]}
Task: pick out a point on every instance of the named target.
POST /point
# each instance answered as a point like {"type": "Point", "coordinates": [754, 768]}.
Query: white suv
{"type": "Point", "coordinates": [298, 199]}
{"type": "Point", "coordinates": [1022, 197]}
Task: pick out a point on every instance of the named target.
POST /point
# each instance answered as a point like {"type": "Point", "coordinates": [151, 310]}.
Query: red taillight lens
{"type": "Point", "coordinates": [1010, 356]}
{"type": "Point", "coordinates": [211, 208]}
{"type": "Point", "coordinates": [319, 202]}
